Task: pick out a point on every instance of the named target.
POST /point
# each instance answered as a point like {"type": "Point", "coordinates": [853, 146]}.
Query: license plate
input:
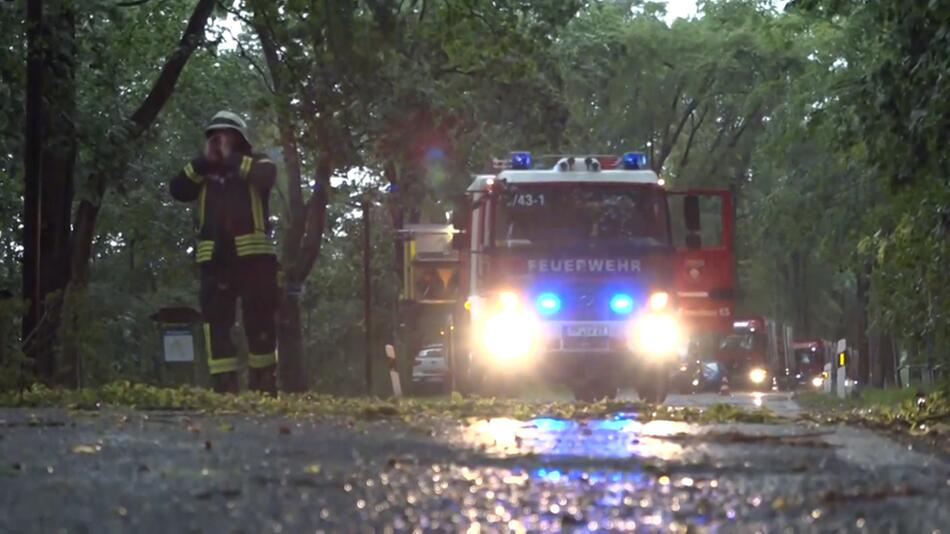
{"type": "Point", "coordinates": [586, 330]}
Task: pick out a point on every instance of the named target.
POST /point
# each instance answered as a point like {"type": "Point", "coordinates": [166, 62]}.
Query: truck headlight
{"type": "Point", "coordinates": [510, 334]}
{"type": "Point", "coordinates": [758, 375]}
{"type": "Point", "coordinates": [656, 334]}
{"type": "Point", "coordinates": [659, 300]}
{"type": "Point", "coordinates": [817, 381]}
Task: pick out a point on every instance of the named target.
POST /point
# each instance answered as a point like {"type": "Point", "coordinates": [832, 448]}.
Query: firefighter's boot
{"type": "Point", "coordinates": [263, 380]}
{"type": "Point", "coordinates": [225, 382]}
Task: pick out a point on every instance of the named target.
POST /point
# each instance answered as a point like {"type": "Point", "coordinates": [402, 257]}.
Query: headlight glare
{"type": "Point", "coordinates": [509, 335]}
{"type": "Point", "coordinates": [655, 334]}
{"type": "Point", "coordinates": [659, 300]}
{"type": "Point", "coordinates": [757, 375]}
{"type": "Point", "coordinates": [508, 300]}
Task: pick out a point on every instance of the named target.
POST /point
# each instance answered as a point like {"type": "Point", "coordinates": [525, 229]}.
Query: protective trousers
{"type": "Point", "coordinates": [253, 280]}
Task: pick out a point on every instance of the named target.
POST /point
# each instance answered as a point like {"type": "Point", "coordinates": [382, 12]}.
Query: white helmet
{"type": "Point", "coordinates": [227, 120]}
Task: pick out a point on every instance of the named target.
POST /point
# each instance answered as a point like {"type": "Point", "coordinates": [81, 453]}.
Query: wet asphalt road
{"type": "Point", "coordinates": [115, 471]}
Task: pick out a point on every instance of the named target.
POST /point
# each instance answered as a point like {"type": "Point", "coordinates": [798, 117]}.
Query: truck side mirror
{"type": "Point", "coordinates": [461, 216]}
{"type": "Point", "coordinates": [691, 212]}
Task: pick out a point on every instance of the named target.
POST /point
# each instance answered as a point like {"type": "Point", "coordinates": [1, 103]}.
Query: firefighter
{"type": "Point", "coordinates": [235, 254]}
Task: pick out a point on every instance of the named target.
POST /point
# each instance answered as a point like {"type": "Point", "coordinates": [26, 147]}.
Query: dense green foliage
{"type": "Point", "coordinates": [829, 118]}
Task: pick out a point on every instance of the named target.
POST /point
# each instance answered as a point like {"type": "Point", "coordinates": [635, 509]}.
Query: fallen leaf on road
{"type": "Point", "coordinates": [313, 469]}
{"type": "Point", "coordinates": [284, 430]}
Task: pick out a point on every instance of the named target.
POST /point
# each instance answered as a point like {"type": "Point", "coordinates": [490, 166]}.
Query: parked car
{"type": "Point", "coordinates": [430, 370]}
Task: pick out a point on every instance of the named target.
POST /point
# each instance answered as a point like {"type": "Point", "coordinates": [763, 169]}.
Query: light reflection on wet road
{"type": "Point", "coordinates": [188, 472]}
{"type": "Point", "coordinates": [621, 436]}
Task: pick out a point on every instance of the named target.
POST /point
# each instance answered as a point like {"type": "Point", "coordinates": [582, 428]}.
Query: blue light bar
{"type": "Point", "coordinates": [621, 303]}
{"type": "Point", "coordinates": [548, 303]}
{"type": "Point", "coordinates": [521, 160]}
{"type": "Point", "coordinates": [633, 161]}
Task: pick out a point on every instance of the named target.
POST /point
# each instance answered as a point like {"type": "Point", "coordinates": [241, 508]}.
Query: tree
{"type": "Point", "coordinates": [56, 249]}
{"type": "Point", "coordinates": [350, 76]}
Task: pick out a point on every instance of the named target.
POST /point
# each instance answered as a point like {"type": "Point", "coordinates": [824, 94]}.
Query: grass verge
{"type": "Point", "coordinates": [905, 411]}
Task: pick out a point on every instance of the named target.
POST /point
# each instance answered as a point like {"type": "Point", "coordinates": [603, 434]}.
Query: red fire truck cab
{"type": "Point", "coordinates": [573, 274]}
{"type": "Point", "coordinates": [810, 359]}
{"type": "Point", "coordinates": [751, 356]}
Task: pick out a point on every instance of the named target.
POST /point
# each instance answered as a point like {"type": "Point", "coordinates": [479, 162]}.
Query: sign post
{"type": "Point", "coordinates": [841, 370]}
{"type": "Point", "coordinates": [181, 338]}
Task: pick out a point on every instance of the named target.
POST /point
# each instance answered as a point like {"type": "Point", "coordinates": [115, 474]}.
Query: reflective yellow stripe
{"type": "Point", "coordinates": [251, 239]}
{"type": "Point", "coordinates": [259, 361]}
{"type": "Point", "coordinates": [246, 162]}
{"type": "Point", "coordinates": [217, 366]}
{"type": "Point", "coordinates": [192, 175]}
{"type": "Point", "coordinates": [251, 244]}
{"type": "Point", "coordinates": [257, 208]}
{"type": "Point", "coordinates": [201, 206]}
{"type": "Point", "coordinates": [222, 365]}
{"type": "Point", "coordinates": [205, 251]}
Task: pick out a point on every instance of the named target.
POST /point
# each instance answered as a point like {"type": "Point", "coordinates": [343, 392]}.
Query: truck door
{"type": "Point", "coordinates": [703, 223]}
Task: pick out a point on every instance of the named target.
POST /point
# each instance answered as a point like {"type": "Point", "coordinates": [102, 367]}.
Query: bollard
{"type": "Point", "coordinates": [394, 371]}
{"type": "Point", "coordinates": [724, 387]}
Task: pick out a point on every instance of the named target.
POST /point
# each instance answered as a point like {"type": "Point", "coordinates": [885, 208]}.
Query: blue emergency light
{"type": "Point", "coordinates": [521, 160]}
{"type": "Point", "coordinates": [621, 303]}
{"type": "Point", "coordinates": [548, 303]}
{"type": "Point", "coordinates": [633, 161]}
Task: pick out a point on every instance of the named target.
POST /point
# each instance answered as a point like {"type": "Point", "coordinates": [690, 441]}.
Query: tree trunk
{"type": "Point", "coordinates": [888, 360]}
{"type": "Point", "coordinates": [305, 224]}
{"type": "Point", "coordinates": [290, 344]}
{"type": "Point", "coordinates": [112, 154]}
{"type": "Point", "coordinates": [864, 352]}
{"type": "Point", "coordinates": [883, 356]}
{"type": "Point", "coordinates": [50, 161]}
{"type": "Point", "coordinates": [32, 159]}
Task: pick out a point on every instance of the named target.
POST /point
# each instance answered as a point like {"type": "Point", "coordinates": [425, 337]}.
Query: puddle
{"type": "Point", "coordinates": [621, 436]}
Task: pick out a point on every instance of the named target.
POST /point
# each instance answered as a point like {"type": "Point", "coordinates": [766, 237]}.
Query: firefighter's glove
{"type": "Point", "coordinates": [210, 170]}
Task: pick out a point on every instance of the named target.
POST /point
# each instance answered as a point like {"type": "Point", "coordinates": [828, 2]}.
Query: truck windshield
{"type": "Point", "coordinates": [806, 357]}
{"type": "Point", "coordinates": [569, 216]}
{"type": "Point", "coordinates": [738, 342]}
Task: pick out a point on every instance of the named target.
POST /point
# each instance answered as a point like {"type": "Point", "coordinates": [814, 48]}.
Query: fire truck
{"type": "Point", "coordinates": [810, 358]}
{"type": "Point", "coordinates": [572, 272]}
{"type": "Point", "coordinates": [757, 354]}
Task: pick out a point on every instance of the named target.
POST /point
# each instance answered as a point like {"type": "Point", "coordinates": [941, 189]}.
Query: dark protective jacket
{"type": "Point", "coordinates": [233, 213]}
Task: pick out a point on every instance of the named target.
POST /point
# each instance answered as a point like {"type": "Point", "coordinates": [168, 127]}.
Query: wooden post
{"type": "Point", "coordinates": [367, 297]}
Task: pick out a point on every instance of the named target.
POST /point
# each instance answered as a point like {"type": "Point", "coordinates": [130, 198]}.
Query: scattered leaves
{"type": "Point", "coordinates": [145, 397]}
{"type": "Point", "coordinates": [312, 469]}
